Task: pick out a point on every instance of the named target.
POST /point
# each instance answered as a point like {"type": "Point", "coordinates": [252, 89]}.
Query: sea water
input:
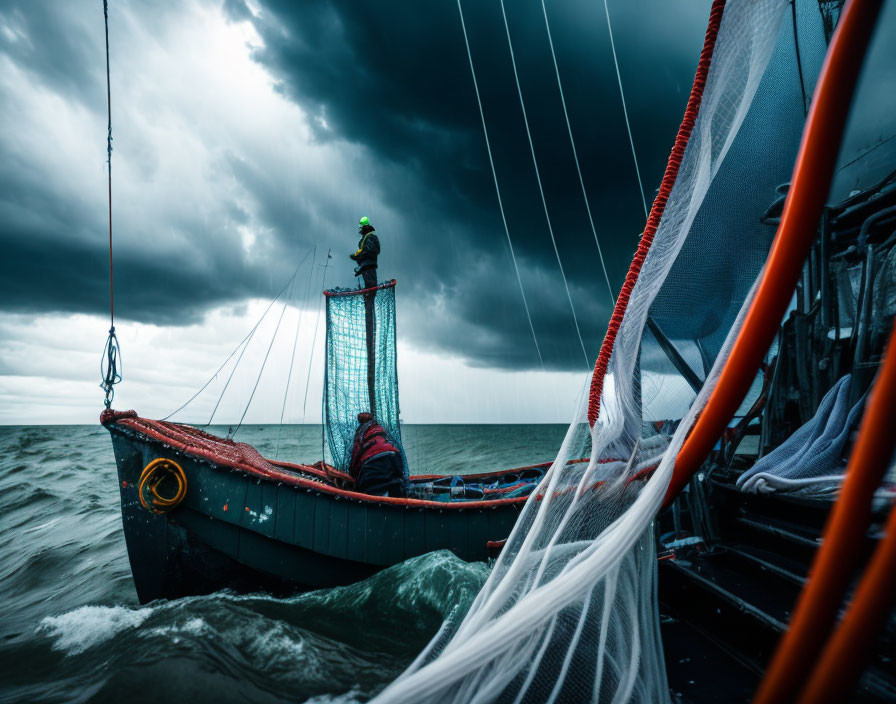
{"type": "Point", "coordinates": [71, 628]}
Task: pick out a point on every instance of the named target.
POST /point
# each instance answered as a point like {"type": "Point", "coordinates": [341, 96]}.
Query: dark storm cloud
{"type": "Point", "coordinates": [396, 81]}
{"type": "Point", "coordinates": [388, 84]}
{"type": "Point", "coordinates": [172, 262]}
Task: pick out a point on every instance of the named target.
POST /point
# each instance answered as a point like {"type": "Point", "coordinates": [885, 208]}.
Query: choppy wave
{"type": "Point", "coordinates": [71, 629]}
{"type": "Point", "coordinates": [81, 629]}
{"type": "Point", "coordinates": [349, 641]}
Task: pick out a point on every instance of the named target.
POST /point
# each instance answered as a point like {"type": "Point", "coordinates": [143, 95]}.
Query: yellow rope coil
{"type": "Point", "coordinates": [152, 476]}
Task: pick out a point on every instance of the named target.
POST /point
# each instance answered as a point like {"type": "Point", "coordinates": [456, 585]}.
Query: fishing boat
{"type": "Point", "coordinates": [202, 513]}
{"type": "Point", "coordinates": [248, 523]}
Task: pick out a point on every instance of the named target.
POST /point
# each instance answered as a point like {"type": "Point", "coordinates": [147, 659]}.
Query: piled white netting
{"type": "Point", "coordinates": [811, 460]}
{"type": "Point", "coordinates": [729, 239]}
{"type": "Point", "coordinates": [569, 611]}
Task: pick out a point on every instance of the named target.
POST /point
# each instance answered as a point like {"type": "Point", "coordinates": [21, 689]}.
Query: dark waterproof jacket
{"type": "Point", "coordinates": [368, 249]}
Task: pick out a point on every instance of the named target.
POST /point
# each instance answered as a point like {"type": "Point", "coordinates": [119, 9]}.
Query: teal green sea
{"type": "Point", "coordinates": [71, 629]}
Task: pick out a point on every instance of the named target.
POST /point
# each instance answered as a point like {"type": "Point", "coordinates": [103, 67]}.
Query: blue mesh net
{"type": "Point", "coordinates": [361, 370]}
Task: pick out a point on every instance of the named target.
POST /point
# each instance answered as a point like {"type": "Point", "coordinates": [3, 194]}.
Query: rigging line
{"type": "Point", "coordinates": [235, 349]}
{"type": "Point", "coordinates": [799, 63]}
{"type": "Point", "coordinates": [215, 375]}
{"type": "Point", "coordinates": [575, 156]}
{"type": "Point", "coordinates": [628, 126]}
{"type": "Point", "coordinates": [111, 358]}
{"type": "Point", "coordinates": [248, 339]}
{"type": "Point", "coordinates": [232, 434]}
{"type": "Point", "coordinates": [866, 152]}
{"type": "Point", "coordinates": [314, 337]}
{"type": "Point", "coordinates": [233, 371]}
{"type": "Point", "coordinates": [109, 162]}
{"type": "Point", "coordinates": [292, 359]}
{"type": "Point", "coordinates": [544, 202]}
{"type": "Point", "coordinates": [491, 162]}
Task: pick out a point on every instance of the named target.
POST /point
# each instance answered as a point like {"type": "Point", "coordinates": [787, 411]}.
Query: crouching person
{"type": "Point", "coordinates": [376, 464]}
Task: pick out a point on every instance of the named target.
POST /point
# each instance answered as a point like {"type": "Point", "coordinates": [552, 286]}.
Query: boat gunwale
{"type": "Point", "coordinates": [127, 424]}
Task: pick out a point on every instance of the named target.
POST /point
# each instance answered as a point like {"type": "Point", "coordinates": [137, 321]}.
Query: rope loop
{"type": "Point", "coordinates": [109, 367]}
{"type": "Point", "coordinates": [159, 474]}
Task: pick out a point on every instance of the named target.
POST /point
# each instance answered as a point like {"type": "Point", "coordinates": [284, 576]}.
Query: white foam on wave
{"type": "Point", "coordinates": [87, 626]}
{"type": "Point", "coordinates": [280, 647]}
{"type": "Point", "coordinates": [194, 627]}
{"type": "Point", "coordinates": [353, 696]}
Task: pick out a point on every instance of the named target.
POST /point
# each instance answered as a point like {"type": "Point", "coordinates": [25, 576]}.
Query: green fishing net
{"type": "Point", "coordinates": [361, 367]}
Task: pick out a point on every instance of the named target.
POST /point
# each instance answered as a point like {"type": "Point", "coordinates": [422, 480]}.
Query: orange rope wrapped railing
{"type": "Point", "coordinates": [809, 188]}
{"type": "Point", "coordinates": [816, 610]}
{"type": "Point", "coordinates": [656, 210]}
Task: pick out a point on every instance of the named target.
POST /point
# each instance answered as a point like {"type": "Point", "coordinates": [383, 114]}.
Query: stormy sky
{"type": "Point", "coordinates": [249, 132]}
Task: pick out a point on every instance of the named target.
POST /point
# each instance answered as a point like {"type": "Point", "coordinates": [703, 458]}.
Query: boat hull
{"type": "Point", "coordinates": [245, 532]}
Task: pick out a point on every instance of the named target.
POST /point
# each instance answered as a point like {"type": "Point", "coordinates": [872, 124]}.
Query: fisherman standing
{"type": "Point", "coordinates": [376, 464]}
{"type": "Point", "coordinates": [368, 250]}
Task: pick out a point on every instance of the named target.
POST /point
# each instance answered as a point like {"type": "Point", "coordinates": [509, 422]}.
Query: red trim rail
{"type": "Point", "coordinates": [336, 293]}
{"type": "Point", "coordinates": [245, 458]}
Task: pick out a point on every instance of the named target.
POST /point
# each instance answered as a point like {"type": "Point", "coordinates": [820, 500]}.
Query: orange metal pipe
{"type": "Point", "coordinates": [844, 658]}
{"type": "Point", "coordinates": [817, 607]}
{"type": "Point", "coordinates": [799, 223]}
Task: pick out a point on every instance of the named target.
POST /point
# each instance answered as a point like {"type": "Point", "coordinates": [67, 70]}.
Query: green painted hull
{"type": "Point", "coordinates": [241, 531]}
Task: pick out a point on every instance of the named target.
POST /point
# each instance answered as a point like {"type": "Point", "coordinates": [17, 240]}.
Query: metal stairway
{"type": "Point", "coordinates": [725, 603]}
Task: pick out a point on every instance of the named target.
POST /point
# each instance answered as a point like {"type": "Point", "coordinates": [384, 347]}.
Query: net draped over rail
{"type": "Point", "coordinates": [728, 239]}
{"type": "Point", "coordinates": [569, 612]}
{"type": "Point", "coordinates": [354, 378]}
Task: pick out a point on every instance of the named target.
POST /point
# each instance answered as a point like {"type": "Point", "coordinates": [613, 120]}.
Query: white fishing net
{"type": "Point", "coordinates": [569, 611]}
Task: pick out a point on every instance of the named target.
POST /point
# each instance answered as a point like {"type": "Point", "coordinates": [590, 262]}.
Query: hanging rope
{"type": "Point", "coordinates": [575, 157]}
{"type": "Point", "coordinates": [628, 126]}
{"type": "Point", "coordinates": [110, 367]}
{"type": "Point", "coordinates": [544, 202]}
{"type": "Point", "coordinates": [110, 372]}
{"type": "Point", "coordinates": [491, 162]}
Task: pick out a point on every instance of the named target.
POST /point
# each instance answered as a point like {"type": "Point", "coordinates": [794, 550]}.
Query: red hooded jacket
{"type": "Point", "coordinates": [370, 440]}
